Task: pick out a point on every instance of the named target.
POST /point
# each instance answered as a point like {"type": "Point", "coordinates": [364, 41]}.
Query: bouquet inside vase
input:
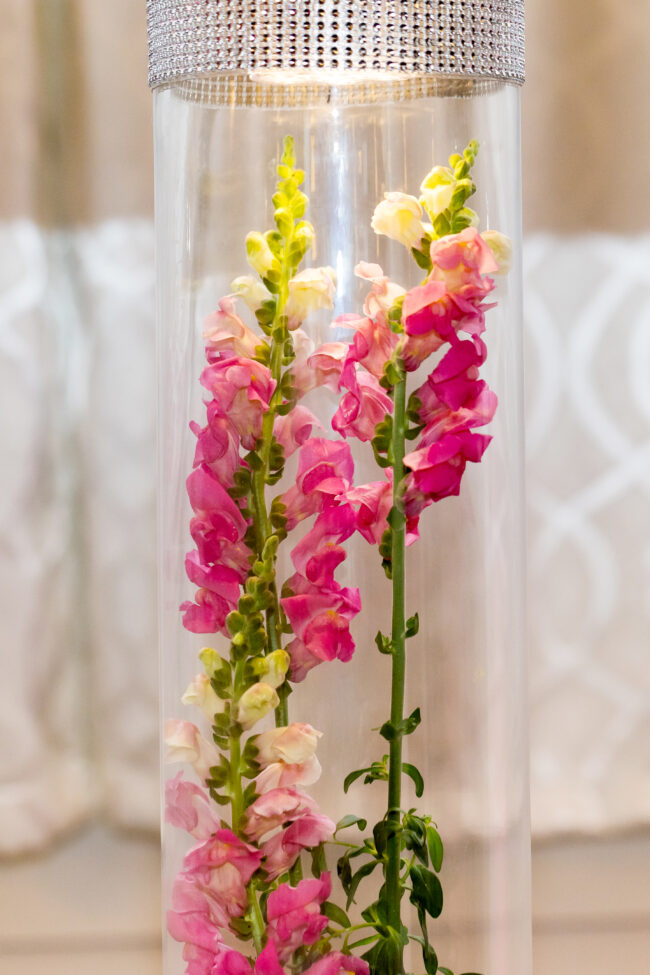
{"type": "Point", "coordinates": [242, 901]}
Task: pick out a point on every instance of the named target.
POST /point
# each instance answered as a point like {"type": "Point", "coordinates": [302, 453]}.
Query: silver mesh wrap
{"type": "Point", "coordinates": [466, 38]}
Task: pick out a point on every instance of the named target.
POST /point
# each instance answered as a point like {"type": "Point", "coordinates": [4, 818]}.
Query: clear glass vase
{"type": "Point", "coordinates": [218, 142]}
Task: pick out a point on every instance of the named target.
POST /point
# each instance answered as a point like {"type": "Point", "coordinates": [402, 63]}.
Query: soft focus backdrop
{"type": "Point", "coordinates": [78, 699]}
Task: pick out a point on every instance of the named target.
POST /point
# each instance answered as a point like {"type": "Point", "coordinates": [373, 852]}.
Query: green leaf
{"type": "Point", "coordinates": [353, 776]}
{"type": "Point", "coordinates": [422, 259]}
{"type": "Point", "coordinates": [336, 914]}
{"type": "Point", "coordinates": [411, 723]}
{"type": "Point", "coordinates": [362, 872]}
{"type": "Point", "coordinates": [434, 844]}
{"type": "Point", "coordinates": [415, 775]}
{"type": "Point", "coordinates": [350, 820]}
{"type": "Point", "coordinates": [446, 971]}
{"type": "Point", "coordinates": [241, 927]}
{"type": "Point", "coordinates": [427, 890]}
{"type": "Point", "coordinates": [384, 643]}
{"type": "Point", "coordinates": [412, 625]}
{"type": "Point", "coordinates": [430, 959]}
{"type": "Point", "coordinates": [318, 861]}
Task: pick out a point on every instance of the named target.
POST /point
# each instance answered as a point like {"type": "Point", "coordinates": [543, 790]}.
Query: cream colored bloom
{"type": "Point", "coordinates": [260, 256]}
{"type": "Point", "coordinates": [255, 703]}
{"type": "Point", "coordinates": [501, 247]}
{"type": "Point", "coordinates": [202, 695]}
{"type": "Point", "coordinates": [185, 743]}
{"type": "Point", "coordinates": [310, 290]}
{"type": "Point", "coordinates": [251, 291]}
{"type": "Point", "coordinates": [437, 199]}
{"type": "Point", "coordinates": [399, 216]}
{"type": "Point", "coordinates": [292, 745]}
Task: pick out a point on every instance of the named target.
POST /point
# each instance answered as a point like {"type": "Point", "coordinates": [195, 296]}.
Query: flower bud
{"type": "Point", "coordinates": [255, 703]}
{"type": "Point", "coordinates": [398, 216]}
{"type": "Point", "coordinates": [259, 254]}
{"type": "Point", "coordinates": [501, 247]}
{"type": "Point", "coordinates": [273, 668]}
{"type": "Point", "coordinates": [202, 695]}
{"type": "Point", "coordinates": [251, 291]}
{"type": "Point", "coordinates": [211, 660]}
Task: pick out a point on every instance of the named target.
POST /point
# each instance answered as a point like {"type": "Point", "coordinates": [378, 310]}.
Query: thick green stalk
{"type": "Point", "coordinates": [236, 788]}
{"type": "Point", "coordinates": [263, 526]}
{"type": "Point", "coordinates": [398, 637]}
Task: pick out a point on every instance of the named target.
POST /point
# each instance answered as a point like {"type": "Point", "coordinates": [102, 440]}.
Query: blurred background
{"type": "Point", "coordinates": [78, 697]}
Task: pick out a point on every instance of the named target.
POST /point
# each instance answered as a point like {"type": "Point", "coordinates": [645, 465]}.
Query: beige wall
{"type": "Point", "coordinates": [77, 127]}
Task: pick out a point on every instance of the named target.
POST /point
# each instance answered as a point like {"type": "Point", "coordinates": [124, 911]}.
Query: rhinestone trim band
{"type": "Point", "coordinates": [467, 38]}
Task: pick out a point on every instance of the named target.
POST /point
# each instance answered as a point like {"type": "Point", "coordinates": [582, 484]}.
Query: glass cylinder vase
{"type": "Point", "coordinates": [340, 493]}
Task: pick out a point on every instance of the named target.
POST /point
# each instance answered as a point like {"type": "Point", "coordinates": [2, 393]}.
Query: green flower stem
{"type": "Point", "coordinates": [398, 637]}
{"type": "Point", "coordinates": [261, 517]}
{"type": "Point", "coordinates": [236, 787]}
{"type": "Point", "coordinates": [254, 914]}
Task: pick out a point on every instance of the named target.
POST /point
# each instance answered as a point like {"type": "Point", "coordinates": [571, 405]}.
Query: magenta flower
{"type": "Point", "coordinates": [188, 807]}
{"type": "Point", "coordinates": [231, 962]}
{"type": "Point", "coordinates": [293, 429]}
{"type": "Point", "coordinates": [283, 849]}
{"type": "Point", "coordinates": [214, 506]}
{"type": "Point", "coordinates": [318, 554]}
{"type": "Point", "coordinates": [455, 379]}
{"type": "Point", "coordinates": [242, 390]}
{"type": "Point", "coordinates": [223, 865]}
{"type": "Point", "coordinates": [320, 620]}
{"type": "Point", "coordinates": [213, 547]}
{"type": "Point", "coordinates": [217, 446]}
{"type": "Point", "coordinates": [375, 501]}
{"type": "Point", "coordinates": [437, 470]}
{"type": "Point", "coordinates": [363, 406]}
{"type": "Point", "coordinates": [336, 963]}
{"type": "Point", "coordinates": [294, 916]}
{"type": "Point", "coordinates": [325, 470]}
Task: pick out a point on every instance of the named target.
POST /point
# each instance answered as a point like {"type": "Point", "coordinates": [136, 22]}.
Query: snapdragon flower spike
{"type": "Point", "coordinates": [221, 560]}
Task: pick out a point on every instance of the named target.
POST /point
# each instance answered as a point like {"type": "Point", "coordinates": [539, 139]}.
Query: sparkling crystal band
{"type": "Point", "coordinates": [468, 38]}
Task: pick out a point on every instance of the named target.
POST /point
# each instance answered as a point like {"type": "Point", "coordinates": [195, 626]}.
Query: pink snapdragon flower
{"type": "Point", "coordinates": [276, 808]}
{"type": "Point", "coordinates": [363, 406]}
{"type": "Point", "coordinates": [437, 470]}
{"type": "Point", "coordinates": [320, 551]}
{"type": "Point", "coordinates": [224, 331]}
{"type": "Point", "coordinates": [293, 429]}
{"type": "Point", "coordinates": [188, 807]}
{"type": "Point", "coordinates": [455, 381]}
{"type": "Point", "coordinates": [217, 445]}
{"type": "Point", "coordinates": [335, 963]}
{"type": "Point", "coordinates": [374, 502]}
{"type": "Point", "coordinates": [283, 849]}
{"type": "Point", "coordinates": [195, 918]}
{"type": "Point", "coordinates": [383, 295]}
{"type": "Point", "coordinates": [242, 389]}
{"type": "Point", "coordinates": [325, 470]}
{"type": "Point", "coordinates": [461, 261]}
{"type": "Point", "coordinates": [320, 620]}
{"type": "Point", "coordinates": [322, 367]}
{"type": "Point", "coordinates": [223, 865]}
{"type": "Point", "coordinates": [231, 962]}
{"type": "Point", "coordinates": [293, 914]}
{"type": "Point", "coordinates": [213, 505]}
{"type": "Point", "coordinates": [373, 343]}
{"type": "Point", "coordinates": [212, 547]}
